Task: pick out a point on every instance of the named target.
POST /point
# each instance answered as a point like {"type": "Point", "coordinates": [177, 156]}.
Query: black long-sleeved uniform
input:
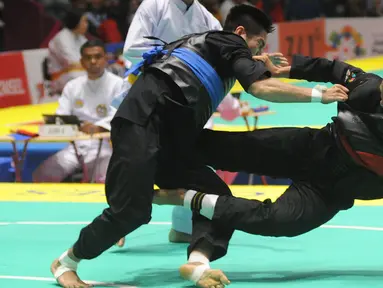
{"type": "Point", "coordinates": [326, 176]}
{"type": "Point", "coordinates": [154, 133]}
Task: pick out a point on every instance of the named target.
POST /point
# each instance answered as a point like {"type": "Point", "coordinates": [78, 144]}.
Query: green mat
{"type": "Point", "coordinates": [325, 257]}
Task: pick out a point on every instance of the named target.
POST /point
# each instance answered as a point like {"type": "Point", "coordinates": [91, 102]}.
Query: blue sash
{"type": "Point", "coordinates": [204, 72]}
{"type": "Point", "coordinates": [200, 67]}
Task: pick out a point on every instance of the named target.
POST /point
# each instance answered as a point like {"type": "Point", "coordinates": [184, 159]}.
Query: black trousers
{"type": "Point", "coordinates": [159, 150]}
{"type": "Point", "coordinates": [307, 156]}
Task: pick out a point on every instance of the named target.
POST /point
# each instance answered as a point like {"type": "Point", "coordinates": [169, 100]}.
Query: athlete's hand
{"type": "Point", "coordinates": [268, 63]}
{"type": "Point", "coordinates": [274, 62]}
{"type": "Point", "coordinates": [278, 59]}
{"type": "Point", "coordinates": [336, 93]}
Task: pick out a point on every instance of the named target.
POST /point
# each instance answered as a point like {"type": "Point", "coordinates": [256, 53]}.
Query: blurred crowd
{"type": "Point", "coordinates": [110, 19]}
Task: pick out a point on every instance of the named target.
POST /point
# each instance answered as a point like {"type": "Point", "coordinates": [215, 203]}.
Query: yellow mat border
{"type": "Point", "coordinates": [94, 193]}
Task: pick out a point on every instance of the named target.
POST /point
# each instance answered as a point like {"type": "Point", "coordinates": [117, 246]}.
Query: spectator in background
{"type": "Point", "coordinates": [102, 22]}
{"type": "Point", "coordinates": [88, 97]}
{"type": "Point", "coordinates": [97, 13]}
{"type": "Point", "coordinates": [356, 8]}
{"type": "Point", "coordinates": [273, 8]}
{"type": "Point", "coordinates": [334, 8]}
{"type": "Point", "coordinates": [303, 9]}
{"type": "Point", "coordinates": [56, 8]}
{"type": "Point", "coordinates": [64, 51]}
{"type": "Point", "coordinates": [375, 8]}
{"type": "Point", "coordinates": [108, 31]}
{"type": "Point", "coordinates": [118, 65]}
{"type": "Point", "coordinates": [79, 4]}
{"type": "Point", "coordinates": [213, 7]}
{"type": "Point", "coordinates": [2, 24]}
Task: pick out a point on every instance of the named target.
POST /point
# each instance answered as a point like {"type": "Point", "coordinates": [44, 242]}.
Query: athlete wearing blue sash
{"type": "Point", "coordinates": [155, 130]}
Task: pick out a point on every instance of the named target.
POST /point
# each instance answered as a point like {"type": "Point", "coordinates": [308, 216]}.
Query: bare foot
{"type": "Point", "coordinates": [179, 237]}
{"type": "Point", "coordinates": [69, 279]}
{"type": "Point", "coordinates": [169, 197]}
{"type": "Point", "coordinates": [210, 278]}
{"type": "Point", "coordinates": [121, 242]}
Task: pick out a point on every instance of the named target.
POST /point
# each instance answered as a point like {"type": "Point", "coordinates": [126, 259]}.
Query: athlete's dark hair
{"type": "Point", "coordinates": [93, 43]}
{"type": "Point", "coordinates": [251, 18]}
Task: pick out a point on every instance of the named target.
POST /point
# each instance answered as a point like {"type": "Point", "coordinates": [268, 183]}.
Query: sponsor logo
{"type": "Point", "coordinates": [13, 86]}
{"type": "Point", "coordinates": [347, 43]}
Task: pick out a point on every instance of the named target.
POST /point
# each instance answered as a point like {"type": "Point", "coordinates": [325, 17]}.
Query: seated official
{"type": "Point", "coordinates": [89, 98]}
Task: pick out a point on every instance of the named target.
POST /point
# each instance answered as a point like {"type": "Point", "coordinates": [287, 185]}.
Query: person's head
{"type": "Point", "coordinates": [77, 21]}
{"type": "Point", "coordinates": [94, 58]}
{"type": "Point", "coordinates": [251, 24]}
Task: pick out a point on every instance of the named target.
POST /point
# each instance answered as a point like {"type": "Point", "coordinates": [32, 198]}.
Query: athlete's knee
{"type": "Point", "coordinates": [283, 221]}
{"type": "Point", "coordinates": [129, 215]}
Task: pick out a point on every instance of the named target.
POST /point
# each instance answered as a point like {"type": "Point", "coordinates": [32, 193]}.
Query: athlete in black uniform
{"type": "Point", "coordinates": [155, 129]}
{"type": "Point", "coordinates": [329, 167]}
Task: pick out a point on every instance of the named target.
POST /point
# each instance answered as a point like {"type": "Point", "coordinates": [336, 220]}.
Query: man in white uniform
{"type": "Point", "coordinates": [88, 97]}
{"type": "Point", "coordinates": [170, 20]}
{"type": "Point", "coordinates": [64, 51]}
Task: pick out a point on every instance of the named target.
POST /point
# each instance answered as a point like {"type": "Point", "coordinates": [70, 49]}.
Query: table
{"type": "Point", "coordinates": [256, 116]}
{"type": "Point", "coordinates": [19, 159]}
{"type": "Point", "coordinates": [11, 140]}
{"type": "Point", "coordinates": [6, 139]}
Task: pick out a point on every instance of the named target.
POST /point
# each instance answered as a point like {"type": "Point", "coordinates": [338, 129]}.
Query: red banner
{"type": "Point", "coordinates": [302, 37]}
{"type": "Point", "coordinates": [14, 89]}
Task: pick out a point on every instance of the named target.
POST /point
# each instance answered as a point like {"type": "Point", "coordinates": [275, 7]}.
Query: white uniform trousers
{"type": "Point", "coordinates": [65, 162]}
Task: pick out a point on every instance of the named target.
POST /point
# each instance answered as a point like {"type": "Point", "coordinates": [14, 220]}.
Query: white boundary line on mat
{"type": "Point", "coordinates": [352, 227]}
{"type": "Point", "coordinates": [57, 223]}
{"type": "Point", "coordinates": [44, 279]}
{"type": "Point", "coordinates": [65, 223]}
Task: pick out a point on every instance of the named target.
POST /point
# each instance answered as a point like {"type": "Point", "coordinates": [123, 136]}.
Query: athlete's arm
{"type": "Point", "coordinates": [254, 76]}
{"type": "Point", "coordinates": [320, 70]}
{"type": "Point", "coordinates": [250, 73]}
{"type": "Point", "coordinates": [274, 90]}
